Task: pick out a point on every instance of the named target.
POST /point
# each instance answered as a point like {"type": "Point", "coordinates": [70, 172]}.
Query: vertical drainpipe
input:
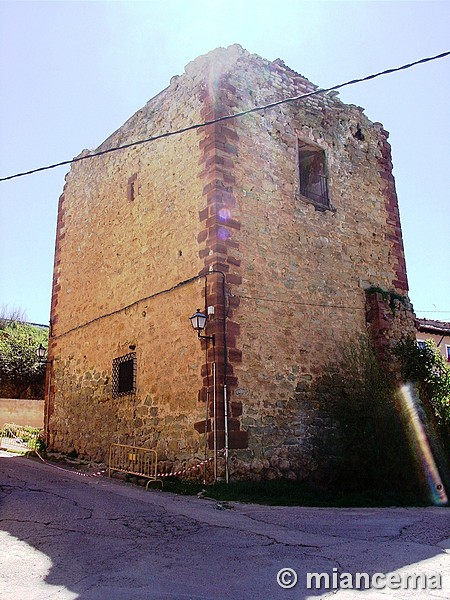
{"type": "Point", "coordinates": [225, 374]}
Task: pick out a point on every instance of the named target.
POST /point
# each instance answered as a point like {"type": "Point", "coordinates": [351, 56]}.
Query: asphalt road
{"type": "Point", "coordinates": [66, 537]}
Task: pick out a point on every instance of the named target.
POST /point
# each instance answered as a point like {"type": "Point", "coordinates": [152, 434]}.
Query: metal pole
{"type": "Point", "coordinates": [225, 405]}
{"type": "Point", "coordinates": [206, 435]}
{"type": "Point", "coordinates": [215, 420]}
{"type": "Point", "coordinates": [47, 404]}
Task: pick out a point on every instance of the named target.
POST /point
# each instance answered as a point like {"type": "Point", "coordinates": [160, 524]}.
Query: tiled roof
{"type": "Point", "coordinates": [432, 326]}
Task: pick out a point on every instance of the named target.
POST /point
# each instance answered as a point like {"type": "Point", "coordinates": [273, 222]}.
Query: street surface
{"type": "Point", "coordinates": [67, 537]}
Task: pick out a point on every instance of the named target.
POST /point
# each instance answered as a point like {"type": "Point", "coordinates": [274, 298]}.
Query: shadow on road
{"type": "Point", "coordinates": [74, 538]}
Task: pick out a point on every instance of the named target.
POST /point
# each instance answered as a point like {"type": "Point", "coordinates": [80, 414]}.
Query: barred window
{"type": "Point", "coordinates": [312, 177]}
{"type": "Point", "coordinates": [124, 375]}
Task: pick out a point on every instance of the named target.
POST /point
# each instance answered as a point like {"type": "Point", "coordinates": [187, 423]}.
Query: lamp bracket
{"type": "Point", "coordinates": [207, 337]}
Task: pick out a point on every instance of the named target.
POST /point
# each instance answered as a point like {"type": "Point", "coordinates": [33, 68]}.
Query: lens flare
{"type": "Point", "coordinates": [224, 215]}
{"type": "Point", "coordinates": [422, 445]}
{"type": "Point", "coordinates": [223, 233]}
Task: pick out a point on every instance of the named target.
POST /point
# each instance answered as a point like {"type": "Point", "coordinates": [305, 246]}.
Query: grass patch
{"type": "Point", "coordinates": [289, 493]}
{"type": "Point", "coordinates": [29, 437]}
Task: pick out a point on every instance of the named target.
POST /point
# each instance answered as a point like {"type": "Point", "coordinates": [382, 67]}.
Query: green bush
{"type": "Point", "coordinates": [374, 451]}
{"type": "Point", "coordinates": [427, 369]}
{"type": "Point", "coordinates": [22, 375]}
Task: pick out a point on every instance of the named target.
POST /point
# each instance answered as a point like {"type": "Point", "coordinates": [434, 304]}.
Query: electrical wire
{"type": "Point", "coordinates": [123, 308]}
{"type": "Point", "coordinates": [323, 305]}
{"type": "Point", "coordinates": [296, 303]}
{"type": "Point", "coordinates": [433, 311]}
{"type": "Point", "coordinates": [186, 282]}
{"type": "Point", "coordinates": [225, 118]}
{"type": "Point", "coordinates": [150, 297]}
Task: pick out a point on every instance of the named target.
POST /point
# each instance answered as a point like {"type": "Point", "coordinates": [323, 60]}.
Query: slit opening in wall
{"type": "Point", "coordinates": [132, 188]}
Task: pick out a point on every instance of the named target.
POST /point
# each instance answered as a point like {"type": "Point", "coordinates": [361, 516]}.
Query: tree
{"type": "Point", "coordinates": [426, 368]}
{"type": "Point", "coordinates": [21, 373]}
{"type": "Point", "coordinates": [369, 441]}
{"type": "Point", "coordinates": [10, 314]}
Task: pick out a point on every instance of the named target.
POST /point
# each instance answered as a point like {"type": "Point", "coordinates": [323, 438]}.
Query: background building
{"type": "Point", "coordinates": [438, 331]}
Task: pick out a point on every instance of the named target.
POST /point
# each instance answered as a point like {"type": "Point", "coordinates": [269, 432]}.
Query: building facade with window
{"type": "Point", "coordinates": [438, 332]}
{"type": "Point", "coordinates": [282, 225]}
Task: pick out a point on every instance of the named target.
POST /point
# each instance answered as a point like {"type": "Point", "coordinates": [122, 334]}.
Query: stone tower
{"type": "Point", "coordinates": [275, 224]}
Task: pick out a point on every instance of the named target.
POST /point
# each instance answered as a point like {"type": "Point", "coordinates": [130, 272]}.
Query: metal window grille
{"type": "Point", "coordinates": [124, 375]}
{"type": "Point", "coordinates": [313, 182]}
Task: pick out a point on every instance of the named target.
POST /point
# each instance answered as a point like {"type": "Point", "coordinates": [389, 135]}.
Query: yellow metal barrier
{"type": "Point", "coordinates": [133, 460]}
{"type": "Point", "coordinates": [17, 438]}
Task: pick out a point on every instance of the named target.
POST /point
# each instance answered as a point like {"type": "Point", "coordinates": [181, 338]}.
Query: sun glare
{"type": "Point", "coordinates": [422, 446]}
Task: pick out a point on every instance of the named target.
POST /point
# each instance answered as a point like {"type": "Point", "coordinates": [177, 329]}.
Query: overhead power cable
{"type": "Point", "coordinates": [432, 311]}
{"type": "Point", "coordinates": [298, 303]}
{"type": "Point", "coordinates": [227, 117]}
{"type": "Point", "coordinates": [181, 284]}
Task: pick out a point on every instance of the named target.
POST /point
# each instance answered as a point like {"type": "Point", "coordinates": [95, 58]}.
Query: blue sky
{"type": "Point", "coordinates": [72, 72]}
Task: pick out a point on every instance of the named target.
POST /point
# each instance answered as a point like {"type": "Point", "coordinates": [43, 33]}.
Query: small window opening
{"type": "Point", "coordinates": [313, 182]}
{"type": "Point", "coordinates": [124, 375]}
{"type": "Point", "coordinates": [359, 134]}
{"type": "Point", "coordinates": [132, 187]}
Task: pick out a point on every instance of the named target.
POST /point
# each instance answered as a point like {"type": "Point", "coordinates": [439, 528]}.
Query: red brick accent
{"type": "Point", "coordinates": [235, 355]}
{"type": "Point", "coordinates": [219, 142]}
{"type": "Point", "coordinates": [387, 323]}
{"type": "Point", "coordinates": [232, 278]}
{"type": "Point", "coordinates": [394, 235]}
{"type": "Point", "coordinates": [49, 406]}
{"type": "Point", "coordinates": [202, 236]}
{"type": "Point", "coordinates": [200, 426]}
{"type": "Point", "coordinates": [233, 261]}
{"type": "Point", "coordinates": [236, 409]}
{"type": "Point", "coordinates": [238, 440]}
{"type": "Point", "coordinates": [203, 214]}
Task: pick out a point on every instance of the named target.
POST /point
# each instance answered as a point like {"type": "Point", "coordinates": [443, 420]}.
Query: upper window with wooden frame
{"type": "Point", "coordinates": [312, 175]}
{"type": "Point", "coordinates": [124, 375]}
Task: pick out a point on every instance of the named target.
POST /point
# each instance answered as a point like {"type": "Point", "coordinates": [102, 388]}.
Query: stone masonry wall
{"type": "Point", "coordinates": [127, 231]}
{"type": "Point", "coordinates": [389, 318]}
{"type": "Point", "coordinates": [219, 209]}
{"type": "Point", "coordinates": [299, 288]}
{"type": "Point", "coordinates": [22, 412]}
{"type": "Point", "coordinates": [219, 143]}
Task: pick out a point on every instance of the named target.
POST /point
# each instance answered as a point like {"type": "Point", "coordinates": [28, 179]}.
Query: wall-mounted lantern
{"type": "Point", "coordinates": [41, 353]}
{"type": "Point", "coordinates": [198, 322]}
